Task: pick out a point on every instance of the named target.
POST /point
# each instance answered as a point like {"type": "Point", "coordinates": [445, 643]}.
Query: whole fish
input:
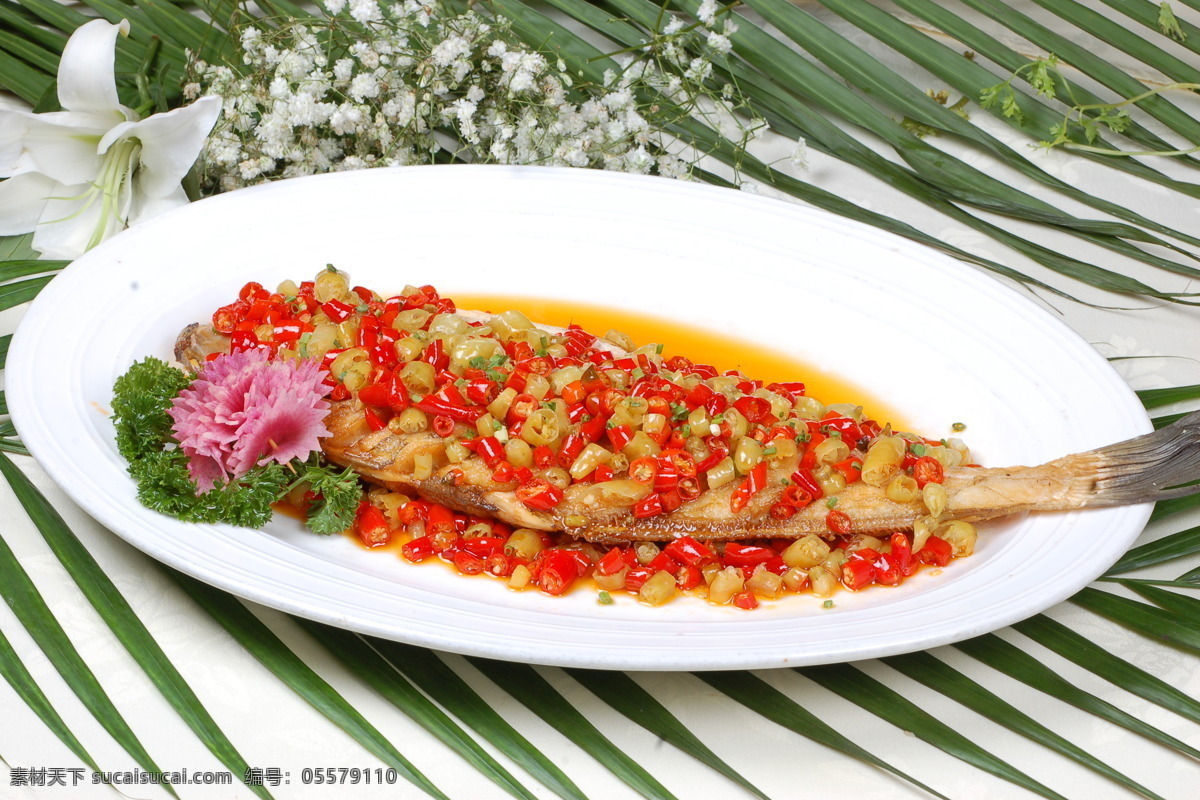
{"type": "Point", "coordinates": [1156, 466]}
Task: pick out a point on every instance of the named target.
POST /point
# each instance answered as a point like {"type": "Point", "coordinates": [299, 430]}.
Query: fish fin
{"type": "Point", "coordinates": [1156, 466]}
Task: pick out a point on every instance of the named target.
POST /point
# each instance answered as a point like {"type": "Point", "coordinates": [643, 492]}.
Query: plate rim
{"type": "Point", "coordinates": [20, 353]}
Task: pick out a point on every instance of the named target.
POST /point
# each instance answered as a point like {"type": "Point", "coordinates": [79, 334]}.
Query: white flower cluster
{"type": "Point", "coordinates": [410, 85]}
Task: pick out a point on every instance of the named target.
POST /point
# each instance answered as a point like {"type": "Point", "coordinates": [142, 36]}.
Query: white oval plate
{"type": "Point", "coordinates": [938, 341]}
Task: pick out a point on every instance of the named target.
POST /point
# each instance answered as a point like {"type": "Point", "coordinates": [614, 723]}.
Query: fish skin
{"type": "Point", "coordinates": [1136, 471]}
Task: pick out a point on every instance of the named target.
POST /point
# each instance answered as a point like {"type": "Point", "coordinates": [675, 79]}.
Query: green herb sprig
{"type": "Point", "coordinates": [141, 398]}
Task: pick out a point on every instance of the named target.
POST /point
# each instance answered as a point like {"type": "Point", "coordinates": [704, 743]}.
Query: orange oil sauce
{"type": "Point", "coordinates": [702, 346]}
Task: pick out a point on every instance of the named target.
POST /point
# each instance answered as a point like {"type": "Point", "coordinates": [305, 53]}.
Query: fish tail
{"type": "Point", "coordinates": [1157, 466]}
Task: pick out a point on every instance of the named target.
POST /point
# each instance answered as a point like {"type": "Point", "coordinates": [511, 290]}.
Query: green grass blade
{"type": "Point", "coordinates": [971, 79]}
{"type": "Point", "coordinates": [1156, 398]}
{"type": "Point", "coordinates": [142, 28]}
{"type": "Point", "coordinates": [1016, 663]}
{"type": "Point", "coordinates": [24, 24]}
{"type": "Point", "coordinates": [1165, 508]}
{"type": "Point", "coordinates": [1167, 419]}
{"type": "Point", "coordinates": [1189, 580]}
{"type": "Point", "coordinates": [767, 701]}
{"type": "Point", "coordinates": [187, 31]}
{"type": "Point", "coordinates": [1087, 62]}
{"type": "Point", "coordinates": [22, 682]}
{"type": "Point", "coordinates": [13, 294]}
{"type": "Point", "coordinates": [1147, 14]}
{"type": "Point", "coordinates": [859, 688]}
{"type": "Point", "coordinates": [1121, 37]}
{"type": "Point", "coordinates": [361, 659]}
{"type": "Point", "coordinates": [1141, 618]}
{"type": "Point", "coordinates": [1168, 548]}
{"type": "Point", "coordinates": [121, 619]}
{"type": "Point", "coordinates": [55, 14]}
{"type": "Point", "coordinates": [1038, 117]}
{"type": "Point", "coordinates": [975, 186]}
{"type": "Point", "coordinates": [30, 608]}
{"type": "Point", "coordinates": [535, 693]}
{"type": "Point", "coordinates": [624, 694]}
{"type": "Point", "coordinates": [16, 248]}
{"type": "Point", "coordinates": [954, 178]}
{"type": "Point", "coordinates": [44, 61]}
{"type": "Point", "coordinates": [23, 267]}
{"type": "Point", "coordinates": [1185, 610]}
{"type": "Point", "coordinates": [273, 654]}
{"type": "Point", "coordinates": [941, 677]}
{"type": "Point", "coordinates": [790, 116]}
{"type": "Point", "coordinates": [778, 59]}
{"type": "Point", "coordinates": [1064, 265]}
{"type": "Point", "coordinates": [25, 81]}
{"type": "Point", "coordinates": [13, 446]}
{"type": "Point", "coordinates": [66, 20]}
{"type": "Point", "coordinates": [437, 680]}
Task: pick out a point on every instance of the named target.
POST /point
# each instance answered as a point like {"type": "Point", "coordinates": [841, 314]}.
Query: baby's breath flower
{"type": "Point", "coordinates": [418, 81]}
{"type": "Point", "coordinates": [800, 154]}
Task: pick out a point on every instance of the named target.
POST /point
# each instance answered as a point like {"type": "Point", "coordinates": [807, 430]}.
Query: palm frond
{"type": "Point", "coordinates": [20, 593]}
{"type": "Point", "coordinates": [854, 685]}
{"type": "Point", "coordinates": [270, 650]}
{"type": "Point", "coordinates": [445, 686]}
{"type": "Point", "coordinates": [359, 657]}
{"type": "Point", "coordinates": [23, 683]}
{"type": "Point", "coordinates": [762, 698]}
{"type": "Point", "coordinates": [539, 696]}
{"type": "Point", "coordinates": [941, 677]}
{"type": "Point", "coordinates": [121, 619]}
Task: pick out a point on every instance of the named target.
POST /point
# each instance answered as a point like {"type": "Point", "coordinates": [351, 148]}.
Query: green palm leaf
{"type": "Point", "coordinates": [791, 91]}
{"type": "Point", "coordinates": [941, 677]}
{"type": "Point", "coordinates": [273, 654]}
{"type": "Point", "coordinates": [31, 610]}
{"type": "Point", "coordinates": [622, 693]}
{"type": "Point", "coordinates": [431, 674]}
{"type": "Point", "coordinates": [1076, 648]}
{"type": "Point", "coordinates": [22, 682]}
{"type": "Point", "coordinates": [1141, 618]}
{"type": "Point", "coordinates": [1001, 655]}
{"type": "Point", "coordinates": [863, 71]}
{"type": "Point", "coordinates": [762, 698]}
{"type": "Point", "coordinates": [121, 619]}
{"type": "Point", "coordinates": [535, 693]}
{"type": "Point", "coordinates": [1168, 548]}
{"type": "Point", "coordinates": [361, 659]}
{"type": "Point", "coordinates": [866, 692]}
{"type": "Point", "coordinates": [1097, 68]}
{"type": "Point", "coordinates": [971, 79]}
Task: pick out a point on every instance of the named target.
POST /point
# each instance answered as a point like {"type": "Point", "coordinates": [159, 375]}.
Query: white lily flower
{"type": "Point", "coordinates": [77, 176]}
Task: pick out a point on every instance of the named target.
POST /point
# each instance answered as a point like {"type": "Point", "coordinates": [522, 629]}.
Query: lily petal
{"type": "Point", "coordinates": [74, 219]}
{"type": "Point", "coordinates": [86, 78]}
{"type": "Point", "coordinates": [171, 142]}
{"type": "Point", "coordinates": [64, 145]}
{"type": "Point", "coordinates": [23, 200]}
{"type": "Point", "coordinates": [147, 206]}
{"type": "Point", "coordinates": [12, 151]}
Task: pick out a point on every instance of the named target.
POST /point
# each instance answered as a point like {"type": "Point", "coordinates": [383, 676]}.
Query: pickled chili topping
{"type": "Point", "coordinates": [548, 410]}
{"type": "Point", "coordinates": [737, 573]}
{"type": "Point", "coordinates": [545, 411]}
